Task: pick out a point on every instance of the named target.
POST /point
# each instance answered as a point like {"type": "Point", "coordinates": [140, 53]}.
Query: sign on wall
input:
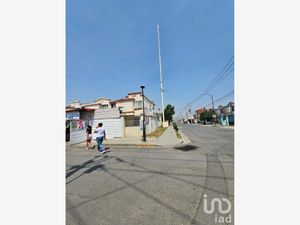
{"type": "Point", "coordinates": [72, 116]}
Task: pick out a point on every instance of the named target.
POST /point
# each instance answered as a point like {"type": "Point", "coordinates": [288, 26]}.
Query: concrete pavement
{"type": "Point", "coordinates": [152, 186]}
{"type": "Point", "coordinates": [167, 139]}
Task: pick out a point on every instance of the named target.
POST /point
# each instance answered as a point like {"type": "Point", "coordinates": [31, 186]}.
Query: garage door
{"type": "Point", "coordinates": [111, 126]}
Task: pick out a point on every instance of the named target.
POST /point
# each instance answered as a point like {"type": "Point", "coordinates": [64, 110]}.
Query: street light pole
{"type": "Point", "coordinates": [144, 127]}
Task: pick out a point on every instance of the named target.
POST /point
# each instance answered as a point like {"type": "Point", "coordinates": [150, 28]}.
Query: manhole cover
{"type": "Point", "coordinates": [186, 148]}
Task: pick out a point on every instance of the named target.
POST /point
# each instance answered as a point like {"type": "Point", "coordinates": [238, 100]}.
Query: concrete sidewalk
{"type": "Point", "coordinates": [167, 139]}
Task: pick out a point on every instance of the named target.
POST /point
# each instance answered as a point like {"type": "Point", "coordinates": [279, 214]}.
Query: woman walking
{"type": "Point", "coordinates": [100, 136]}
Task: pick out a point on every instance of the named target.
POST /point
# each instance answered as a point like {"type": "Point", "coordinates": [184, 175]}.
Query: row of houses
{"type": "Point", "coordinates": [224, 114]}
{"type": "Point", "coordinates": [121, 118]}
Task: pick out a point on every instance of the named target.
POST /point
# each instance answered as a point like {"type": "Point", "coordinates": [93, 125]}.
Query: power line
{"type": "Point", "coordinates": [220, 99]}
{"type": "Point", "coordinates": [220, 77]}
{"type": "Point", "coordinates": [221, 73]}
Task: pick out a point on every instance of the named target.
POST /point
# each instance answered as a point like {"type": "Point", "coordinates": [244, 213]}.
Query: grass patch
{"type": "Point", "coordinates": [158, 132]}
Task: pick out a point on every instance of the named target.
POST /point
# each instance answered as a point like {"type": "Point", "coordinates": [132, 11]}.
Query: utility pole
{"type": "Point", "coordinates": [161, 80]}
{"type": "Point", "coordinates": [212, 101]}
{"type": "Point", "coordinates": [213, 107]}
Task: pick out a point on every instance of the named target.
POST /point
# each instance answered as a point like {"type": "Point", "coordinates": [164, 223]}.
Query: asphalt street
{"type": "Point", "coordinates": [153, 186]}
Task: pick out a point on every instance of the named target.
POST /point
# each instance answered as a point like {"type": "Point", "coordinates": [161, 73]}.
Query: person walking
{"type": "Point", "coordinates": [100, 136]}
{"type": "Point", "coordinates": [88, 137]}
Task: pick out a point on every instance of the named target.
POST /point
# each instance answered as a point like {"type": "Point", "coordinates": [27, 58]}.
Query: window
{"type": "Point", "coordinates": [103, 106]}
{"type": "Point", "coordinates": [132, 121]}
{"type": "Point", "coordinates": [138, 104]}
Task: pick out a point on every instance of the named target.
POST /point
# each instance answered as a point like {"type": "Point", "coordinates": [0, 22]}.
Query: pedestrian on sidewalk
{"type": "Point", "coordinates": [88, 137]}
{"type": "Point", "coordinates": [100, 136]}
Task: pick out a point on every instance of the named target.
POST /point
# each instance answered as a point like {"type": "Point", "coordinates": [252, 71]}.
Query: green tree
{"type": "Point", "coordinates": [206, 115]}
{"type": "Point", "coordinates": [169, 112]}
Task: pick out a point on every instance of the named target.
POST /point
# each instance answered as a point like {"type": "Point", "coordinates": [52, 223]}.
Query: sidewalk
{"type": "Point", "coordinates": [167, 139]}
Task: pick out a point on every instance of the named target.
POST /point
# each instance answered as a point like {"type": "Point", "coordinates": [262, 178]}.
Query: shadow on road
{"type": "Point", "coordinates": [92, 162]}
{"type": "Point", "coordinates": [186, 148]}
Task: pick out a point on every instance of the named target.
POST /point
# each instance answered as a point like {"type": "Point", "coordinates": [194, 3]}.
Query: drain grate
{"type": "Point", "coordinates": [186, 148]}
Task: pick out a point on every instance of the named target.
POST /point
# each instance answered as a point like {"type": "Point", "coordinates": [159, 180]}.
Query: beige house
{"type": "Point", "coordinates": [131, 109]}
{"type": "Point", "coordinates": [101, 103]}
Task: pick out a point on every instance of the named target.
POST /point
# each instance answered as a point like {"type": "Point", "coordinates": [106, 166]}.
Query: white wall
{"type": "Point", "coordinates": [112, 127]}
{"type": "Point", "coordinates": [77, 136]}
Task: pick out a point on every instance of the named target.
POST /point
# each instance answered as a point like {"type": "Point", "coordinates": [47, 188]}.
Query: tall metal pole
{"type": "Point", "coordinates": [161, 80]}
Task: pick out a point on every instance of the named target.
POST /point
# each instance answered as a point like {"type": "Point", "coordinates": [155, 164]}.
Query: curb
{"type": "Point", "coordinates": [184, 138]}
{"type": "Point", "coordinates": [80, 145]}
{"type": "Point", "coordinates": [132, 145]}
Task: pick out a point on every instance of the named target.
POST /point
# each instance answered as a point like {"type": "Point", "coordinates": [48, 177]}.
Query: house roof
{"type": "Point", "coordinates": [87, 109]}
{"type": "Point", "coordinates": [134, 93]}
{"type": "Point", "coordinates": [91, 104]}
{"type": "Point", "coordinates": [200, 110]}
{"type": "Point", "coordinates": [72, 109]}
{"type": "Point", "coordinates": [102, 98]}
{"type": "Point", "coordinates": [123, 100]}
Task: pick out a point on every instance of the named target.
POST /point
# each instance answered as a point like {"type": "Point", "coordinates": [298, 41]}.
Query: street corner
{"type": "Point", "coordinates": [184, 138]}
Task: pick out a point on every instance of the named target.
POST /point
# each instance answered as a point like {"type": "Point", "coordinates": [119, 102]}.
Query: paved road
{"type": "Point", "coordinates": [151, 186]}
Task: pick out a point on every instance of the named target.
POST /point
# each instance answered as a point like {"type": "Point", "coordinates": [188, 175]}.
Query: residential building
{"type": "Point", "coordinates": [131, 109]}
{"type": "Point", "coordinates": [101, 103]}
{"type": "Point", "coordinates": [225, 114]}
{"type": "Point", "coordinates": [120, 118]}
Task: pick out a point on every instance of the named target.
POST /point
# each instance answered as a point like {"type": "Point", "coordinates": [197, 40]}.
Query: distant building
{"type": "Point", "coordinates": [198, 112]}
{"type": "Point", "coordinates": [225, 114]}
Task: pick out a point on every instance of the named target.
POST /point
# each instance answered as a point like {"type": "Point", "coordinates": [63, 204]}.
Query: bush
{"type": "Point", "coordinates": [175, 126]}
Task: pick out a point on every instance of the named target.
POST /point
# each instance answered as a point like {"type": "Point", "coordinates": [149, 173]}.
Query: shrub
{"type": "Point", "coordinates": [175, 126]}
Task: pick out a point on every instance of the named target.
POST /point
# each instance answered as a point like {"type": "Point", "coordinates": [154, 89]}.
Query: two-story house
{"type": "Point", "coordinates": [131, 111]}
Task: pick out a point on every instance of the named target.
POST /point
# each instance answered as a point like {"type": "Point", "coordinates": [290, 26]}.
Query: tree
{"type": "Point", "coordinates": [206, 115]}
{"type": "Point", "coordinates": [169, 112]}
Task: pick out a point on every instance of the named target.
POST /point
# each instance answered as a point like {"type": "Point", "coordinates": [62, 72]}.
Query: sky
{"type": "Point", "coordinates": [112, 49]}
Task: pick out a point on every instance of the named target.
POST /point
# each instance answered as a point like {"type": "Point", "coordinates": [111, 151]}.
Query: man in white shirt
{"type": "Point", "coordinates": [100, 136]}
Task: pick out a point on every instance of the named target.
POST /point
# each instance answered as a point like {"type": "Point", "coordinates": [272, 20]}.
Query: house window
{"type": "Point", "coordinates": [132, 121]}
{"type": "Point", "coordinates": [103, 106]}
{"type": "Point", "coordinates": [138, 104]}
